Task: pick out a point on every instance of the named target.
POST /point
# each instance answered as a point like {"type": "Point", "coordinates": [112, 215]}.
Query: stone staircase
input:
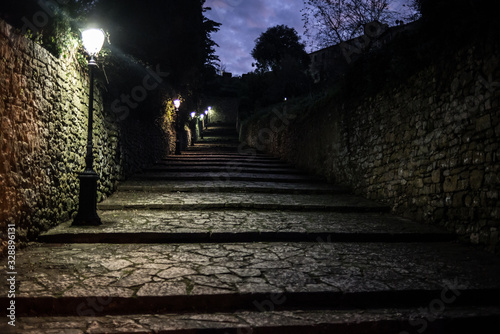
{"type": "Point", "coordinates": [218, 241]}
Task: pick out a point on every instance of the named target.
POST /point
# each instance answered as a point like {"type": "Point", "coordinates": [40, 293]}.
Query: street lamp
{"type": "Point", "coordinates": [177, 104]}
{"type": "Point", "coordinates": [206, 122]}
{"type": "Point", "coordinates": [193, 127]}
{"type": "Point", "coordinates": [93, 39]}
{"type": "Point", "coordinates": [201, 127]}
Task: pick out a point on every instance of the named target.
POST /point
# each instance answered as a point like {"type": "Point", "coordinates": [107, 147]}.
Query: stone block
{"type": "Point", "coordinates": [436, 176]}
{"type": "Point", "coordinates": [483, 123]}
{"type": "Point", "coordinates": [450, 183]}
{"type": "Point", "coordinates": [476, 179]}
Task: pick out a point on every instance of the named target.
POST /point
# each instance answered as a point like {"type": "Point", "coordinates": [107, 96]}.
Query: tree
{"type": "Point", "coordinates": [172, 34]}
{"type": "Point", "coordinates": [330, 22]}
{"type": "Point", "coordinates": [276, 45]}
{"type": "Point", "coordinates": [281, 62]}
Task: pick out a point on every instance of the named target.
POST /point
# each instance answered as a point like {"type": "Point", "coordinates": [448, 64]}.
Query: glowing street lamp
{"type": "Point", "coordinates": [201, 127]}
{"type": "Point", "coordinates": [206, 122]}
{"type": "Point", "coordinates": [177, 104]}
{"type": "Point", "coordinates": [193, 127]}
{"type": "Point", "coordinates": [93, 39]}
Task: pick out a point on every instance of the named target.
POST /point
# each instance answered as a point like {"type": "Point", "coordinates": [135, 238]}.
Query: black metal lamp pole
{"type": "Point", "coordinates": [87, 210]}
{"type": "Point", "coordinates": [201, 128]}
{"type": "Point", "coordinates": [193, 131]}
{"type": "Point", "coordinates": [178, 131]}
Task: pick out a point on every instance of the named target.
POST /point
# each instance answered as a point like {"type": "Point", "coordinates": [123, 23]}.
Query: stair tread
{"type": "Point", "coordinates": [185, 275]}
{"type": "Point", "coordinates": [128, 226]}
{"type": "Point", "coordinates": [228, 186]}
{"type": "Point", "coordinates": [133, 199]}
{"type": "Point", "coordinates": [325, 321]}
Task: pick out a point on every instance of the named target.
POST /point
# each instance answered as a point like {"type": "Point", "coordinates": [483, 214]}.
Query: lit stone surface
{"type": "Point", "coordinates": [245, 322]}
{"type": "Point", "coordinates": [348, 267]}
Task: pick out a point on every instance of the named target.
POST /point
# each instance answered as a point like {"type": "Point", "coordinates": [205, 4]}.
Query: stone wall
{"type": "Point", "coordinates": [43, 129]}
{"type": "Point", "coordinates": [429, 147]}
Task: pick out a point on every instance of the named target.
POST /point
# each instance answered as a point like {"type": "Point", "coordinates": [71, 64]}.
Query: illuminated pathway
{"type": "Point", "coordinates": [217, 241]}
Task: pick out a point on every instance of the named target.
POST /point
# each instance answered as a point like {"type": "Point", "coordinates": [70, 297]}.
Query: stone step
{"type": "Point", "coordinates": [207, 143]}
{"type": "Point", "coordinates": [202, 148]}
{"type": "Point", "coordinates": [61, 280]}
{"type": "Point", "coordinates": [222, 163]}
{"type": "Point", "coordinates": [228, 164]}
{"type": "Point", "coordinates": [218, 169]}
{"type": "Point", "coordinates": [215, 185]}
{"type": "Point", "coordinates": [358, 321]}
{"type": "Point", "coordinates": [145, 226]}
{"type": "Point", "coordinates": [227, 176]}
{"type": "Point", "coordinates": [242, 160]}
{"type": "Point", "coordinates": [240, 201]}
{"type": "Point", "coordinates": [218, 157]}
{"type": "Point", "coordinates": [217, 139]}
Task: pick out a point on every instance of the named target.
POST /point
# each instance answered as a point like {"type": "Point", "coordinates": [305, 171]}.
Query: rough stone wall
{"type": "Point", "coordinates": [430, 147]}
{"type": "Point", "coordinates": [43, 130]}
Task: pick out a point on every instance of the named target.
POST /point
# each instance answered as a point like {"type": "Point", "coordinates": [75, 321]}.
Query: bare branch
{"type": "Point", "coordinates": [329, 22]}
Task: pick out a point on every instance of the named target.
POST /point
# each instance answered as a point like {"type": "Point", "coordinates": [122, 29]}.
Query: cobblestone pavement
{"type": "Point", "coordinates": [213, 241]}
{"type": "Point", "coordinates": [247, 221]}
{"type": "Point", "coordinates": [138, 270]}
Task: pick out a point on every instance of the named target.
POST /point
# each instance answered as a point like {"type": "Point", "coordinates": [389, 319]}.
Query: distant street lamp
{"type": "Point", "coordinates": [93, 39]}
{"type": "Point", "coordinates": [206, 122]}
{"type": "Point", "coordinates": [193, 127]}
{"type": "Point", "coordinates": [201, 127]}
{"type": "Point", "coordinates": [177, 104]}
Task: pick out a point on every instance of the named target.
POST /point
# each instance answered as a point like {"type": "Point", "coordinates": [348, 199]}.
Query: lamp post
{"type": "Point", "coordinates": [93, 39]}
{"type": "Point", "coordinates": [208, 114]}
{"type": "Point", "coordinates": [177, 104]}
{"type": "Point", "coordinates": [193, 127]}
{"type": "Point", "coordinates": [201, 127]}
{"type": "Point", "coordinates": [206, 121]}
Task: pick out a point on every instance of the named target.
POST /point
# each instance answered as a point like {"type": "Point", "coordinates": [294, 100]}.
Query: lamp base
{"type": "Point", "coordinates": [87, 210]}
{"type": "Point", "coordinates": [177, 147]}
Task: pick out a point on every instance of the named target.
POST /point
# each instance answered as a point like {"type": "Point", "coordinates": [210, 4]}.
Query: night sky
{"type": "Point", "coordinates": [244, 20]}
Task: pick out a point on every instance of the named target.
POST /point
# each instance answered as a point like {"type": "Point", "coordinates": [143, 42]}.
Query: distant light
{"type": "Point", "coordinates": [201, 116]}
{"type": "Point", "coordinates": [285, 99]}
{"type": "Point", "coordinates": [177, 103]}
{"type": "Point", "coordinates": [206, 112]}
{"type": "Point", "coordinates": [209, 108]}
{"type": "Point", "coordinates": [193, 114]}
{"type": "Point", "coordinates": [93, 40]}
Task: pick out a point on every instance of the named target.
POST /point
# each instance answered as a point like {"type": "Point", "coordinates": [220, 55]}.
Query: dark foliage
{"type": "Point", "coordinates": [51, 23]}
{"type": "Point", "coordinates": [276, 46]}
{"type": "Point", "coordinates": [281, 69]}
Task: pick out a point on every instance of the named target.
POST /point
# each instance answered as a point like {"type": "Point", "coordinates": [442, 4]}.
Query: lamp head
{"type": "Point", "coordinates": [193, 114]}
{"type": "Point", "coordinates": [201, 116]}
{"type": "Point", "coordinates": [206, 112]}
{"type": "Point", "coordinates": [93, 39]}
{"type": "Point", "coordinates": [177, 103]}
